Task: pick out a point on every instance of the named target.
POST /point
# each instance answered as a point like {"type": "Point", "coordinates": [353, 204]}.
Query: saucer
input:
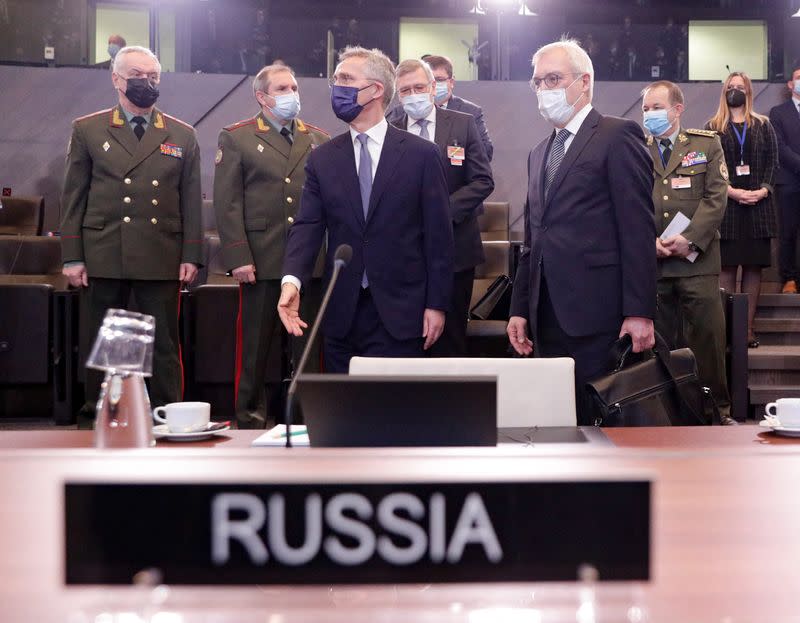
{"type": "Point", "coordinates": [780, 430]}
{"type": "Point", "coordinates": [162, 432]}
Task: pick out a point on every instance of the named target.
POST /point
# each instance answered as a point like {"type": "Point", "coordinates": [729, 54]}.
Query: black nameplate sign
{"type": "Point", "coordinates": [357, 533]}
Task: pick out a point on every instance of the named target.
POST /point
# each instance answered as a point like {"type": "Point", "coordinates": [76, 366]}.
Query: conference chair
{"type": "Point", "coordinates": [486, 336]}
{"type": "Point", "coordinates": [22, 216]}
{"type": "Point", "coordinates": [208, 217]}
{"type": "Point", "coordinates": [530, 392]}
{"type": "Point", "coordinates": [493, 223]}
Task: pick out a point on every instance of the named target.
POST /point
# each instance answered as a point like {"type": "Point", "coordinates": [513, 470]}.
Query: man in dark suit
{"type": "Point", "coordinates": [131, 213]}
{"type": "Point", "coordinates": [383, 192]}
{"type": "Point", "coordinates": [587, 274]}
{"type": "Point", "coordinates": [442, 68]}
{"type": "Point", "coordinates": [257, 184]}
{"type": "Point", "coordinates": [785, 119]}
{"type": "Point", "coordinates": [469, 181]}
{"type": "Point", "coordinates": [115, 44]}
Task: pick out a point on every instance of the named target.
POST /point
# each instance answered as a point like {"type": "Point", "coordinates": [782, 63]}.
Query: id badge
{"type": "Point", "coordinates": [743, 169]}
{"type": "Point", "coordinates": [681, 182]}
{"type": "Point", "coordinates": [455, 153]}
{"type": "Point", "coordinates": [456, 162]}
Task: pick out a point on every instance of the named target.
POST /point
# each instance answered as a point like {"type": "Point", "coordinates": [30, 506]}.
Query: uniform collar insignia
{"type": "Point", "coordinates": [117, 120]}
{"type": "Point", "coordinates": [649, 139]}
{"type": "Point", "coordinates": [683, 138]}
{"type": "Point", "coordinates": [158, 121]}
{"type": "Point", "coordinates": [301, 127]}
{"type": "Point", "coordinates": [262, 125]}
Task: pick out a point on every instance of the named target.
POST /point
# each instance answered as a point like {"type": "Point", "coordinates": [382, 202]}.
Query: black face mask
{"type": "Point", "coordinates": [141, 93]}
{"type": "Point", "coordinates": [735, 98]}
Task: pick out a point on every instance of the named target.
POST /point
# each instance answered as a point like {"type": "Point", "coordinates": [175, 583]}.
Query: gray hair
{"type": "Point", "coordinates": [411, 65]}
{"type": "Point", "coordinates": [130, 49]}
{"type": "Point", "coordinates": [578, 58]}
{"type": "Point", "coordinates": [377, 67]}
{"type": "Point", "coordinates": [261, 81]}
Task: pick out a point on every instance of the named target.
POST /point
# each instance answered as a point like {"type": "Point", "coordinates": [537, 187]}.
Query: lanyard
{"type": "Point", "coordinates": [740, 138]}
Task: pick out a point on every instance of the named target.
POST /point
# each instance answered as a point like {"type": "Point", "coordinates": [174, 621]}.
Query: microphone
{"type": "Point", "coordinates": [341, 258]}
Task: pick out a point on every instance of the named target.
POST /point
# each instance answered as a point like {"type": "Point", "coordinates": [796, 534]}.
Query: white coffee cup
{"type": "Point", "coordinates": [787, 410]}
{"type": "Point", "coordinates": [184, 417]}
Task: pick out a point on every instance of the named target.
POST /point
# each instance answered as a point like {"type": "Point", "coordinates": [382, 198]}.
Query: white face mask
{"type": "Point", "coordinates": [553, 104]}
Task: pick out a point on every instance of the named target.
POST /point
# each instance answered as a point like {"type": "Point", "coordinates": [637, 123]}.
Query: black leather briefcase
{"type": "Point", "coordinates": [660, 389]}
{"type": "Point", "coordinates": [495, 303]}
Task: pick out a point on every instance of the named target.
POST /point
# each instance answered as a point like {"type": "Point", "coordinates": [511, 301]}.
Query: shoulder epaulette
{"type": "Point", "coordinates": [94, 114]}
{"type": "Point", "coordinates": [176, 120]}
{"type": "Point", "coordinates": [239, 124]}
{"type": "Point", "coordinates": [709, 133]}
{"type": "Point", "coordinates": [313, 127]}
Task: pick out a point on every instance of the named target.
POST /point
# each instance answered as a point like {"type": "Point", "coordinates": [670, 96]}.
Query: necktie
{"type": "Point", "coordinates": [365, 183]}
{"type": "Point", "coordinates": [285, 133]}
{"type": "Point", "coordinates": [423, 129]}
{"type": "Point", "coordinates": [666, 149]}
{"type": "Point", "coordinates": [556, 156]}
{"type": "Point", "coordinates": [138, 127]}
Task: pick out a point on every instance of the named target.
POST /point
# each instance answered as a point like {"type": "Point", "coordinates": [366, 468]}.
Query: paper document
{"type": "Point", "coordinates": [677, 226]}
{"type": "Point", "coordinates": [276, 436]}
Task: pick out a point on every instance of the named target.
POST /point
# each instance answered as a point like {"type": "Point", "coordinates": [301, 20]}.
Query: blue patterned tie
{"type": "Point", "coordinates": [423, 129]}
{"type": "Point", "coordinates": [556, 156]}
{"type": "Point", "coordinates": [365, 183]}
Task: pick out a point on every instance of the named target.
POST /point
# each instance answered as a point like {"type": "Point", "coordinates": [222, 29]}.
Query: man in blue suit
{"type": "Point", "coordinates": [383, 192]}
{"type": "Point", "coordinates": [587, 274]}
{"type": "Point", "coordinates": [785, 118]}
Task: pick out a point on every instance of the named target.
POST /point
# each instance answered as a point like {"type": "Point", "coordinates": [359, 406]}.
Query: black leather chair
{"type": "Point", "coordinates": [487, 338]}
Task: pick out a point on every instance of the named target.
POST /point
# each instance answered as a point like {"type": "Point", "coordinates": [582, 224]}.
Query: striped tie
{"type": "Point", "coordinates": [556, 156]}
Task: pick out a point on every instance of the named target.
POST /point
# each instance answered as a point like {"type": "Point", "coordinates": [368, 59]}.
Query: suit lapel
{"type": "Point", "coordinates": [348, 176]}
{"type": "Point", "coordinates": [391, 153]}
{"type": "Point", "coordinates": [537, 170]}
{"type": "Point", "coordinates": [655, 154]}
{"type": "Point", "coordinates": [444, 123]}
{"type": "Point", "coordinates": [154, 136]}
{"type": "Point", "coordinates": [585, 133]}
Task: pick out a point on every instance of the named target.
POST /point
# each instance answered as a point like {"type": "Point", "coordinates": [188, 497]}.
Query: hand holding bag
{"type": "Point", "coordinates": [662, 389]}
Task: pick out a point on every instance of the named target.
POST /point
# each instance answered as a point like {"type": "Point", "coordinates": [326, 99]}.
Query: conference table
{"type": "Point", "coordinates": [725, 536]}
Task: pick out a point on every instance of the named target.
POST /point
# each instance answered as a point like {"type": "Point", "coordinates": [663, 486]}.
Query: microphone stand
{"type": "Point", "coordinates": [337, 267]}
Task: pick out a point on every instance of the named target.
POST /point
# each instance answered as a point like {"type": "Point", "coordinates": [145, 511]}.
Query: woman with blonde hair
{"type": "Point", "coordinates": [751, 154]}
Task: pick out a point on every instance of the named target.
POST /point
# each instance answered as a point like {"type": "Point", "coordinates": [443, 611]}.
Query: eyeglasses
{"type": "Point", "coordinates": [551, 81]}
{"type": "Point", "coordinates": [346, 80]}
{"type": "Point", "coordinates": [416, 89]}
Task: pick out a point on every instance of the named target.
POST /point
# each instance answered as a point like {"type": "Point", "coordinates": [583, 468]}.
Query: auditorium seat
{"type": "Point", "coordinates": [487, 338]}
{"type": "Point", "coordinates": [530, 392]}
{"type": "Point", "coordinates": [493, 223]}
{"type": "Point", "coordinates": [22, 215]}
{"type": "Point", "coordinates": [209, 218]}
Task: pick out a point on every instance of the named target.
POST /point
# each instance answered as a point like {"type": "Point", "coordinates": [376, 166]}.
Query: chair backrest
{"type": "Point", "coordinates": [530, 392]}
{"type": "Point", "coordinates": [22, 215]}
{"type": "Point", "coordinates": [215, 269]}
{"type": "Point", "coordinates": [30, 255]}
{"type": "Point", "coordinates": [209, 218]}
{"type": "Point", "coordinates": [493, 223]}
{"type": "Point", "coordinates": [497, 263]}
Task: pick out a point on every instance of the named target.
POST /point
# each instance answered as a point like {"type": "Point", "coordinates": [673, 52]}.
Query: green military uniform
{"type": "Point", "coordinates": [695, 183]}
{"type": "Point", "coordinates": [131, 213]}
{"type": "Point", "coordinates": [258, 183]}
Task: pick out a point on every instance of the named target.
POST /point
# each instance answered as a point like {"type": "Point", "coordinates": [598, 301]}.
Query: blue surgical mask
{"type": "Point", "coordinates": [417, 106]}
{"type": "Point", "coordinates": [656, 121]}
{"type": "Point", "coordinates": [344, 101]}
{"type": "Point", "coordinates": [553, 104]}
{"type": "Point", "coordinates": [287, 107]}
{"type": "Point", "coordinates": [441, 92]}
{"type": "Point", "coordinates": [113, 48]}
{"type": "Point", "coordinates": [796, 88]}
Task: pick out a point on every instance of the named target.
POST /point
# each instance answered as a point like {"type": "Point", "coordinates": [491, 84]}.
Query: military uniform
{"type": "Point", "coordinates": [695, 183]}
{"type": "Point", "coordinates": [131, 213]}
{"type": "Point", "coordinates": [258, 182]}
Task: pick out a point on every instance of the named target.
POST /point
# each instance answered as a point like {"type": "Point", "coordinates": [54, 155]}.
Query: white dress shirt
{"type": "Point", "coordinates": [575, 124]}
{"type": "Point", "coordinates": [413, 127]}
{"type": "Point", "coordinates": [376, 136]}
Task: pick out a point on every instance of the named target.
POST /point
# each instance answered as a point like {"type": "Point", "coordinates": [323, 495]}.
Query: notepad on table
{"type": "Point", "coordinates": [276, 436]}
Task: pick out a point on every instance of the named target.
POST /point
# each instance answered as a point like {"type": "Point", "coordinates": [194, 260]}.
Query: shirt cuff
{"type": "Point", "coordinates": [73, 263]}
{"type": "Point", "coordinates": [293, 280]}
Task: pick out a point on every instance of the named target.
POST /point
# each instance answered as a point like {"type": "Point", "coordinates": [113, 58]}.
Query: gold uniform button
{"type": "Point", "coordinates": [288, 199]}
{"type": "Point", "coordinates": [290, 219]}
{"type": "Point", "coordinates": [155, 182]}
{"type": "Point", "coordinates": [127, 180]}
{"type": "Point", "coordinates": [288, 180]}
{"type": "Point", "coordinates": [666, 214]}
{"type": "Point", "coordinates": [127, 200]}
{"type": "Point", "coordinates": [154, 202]}
{"type": "Point", "coordinates": [666, 197]}
{"type": "Point", "coordinates": [127, 219]}
{"type": "Point", "coordinates": [665, 181]}
{"type": "Point", "coordinates": [154, 221]}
